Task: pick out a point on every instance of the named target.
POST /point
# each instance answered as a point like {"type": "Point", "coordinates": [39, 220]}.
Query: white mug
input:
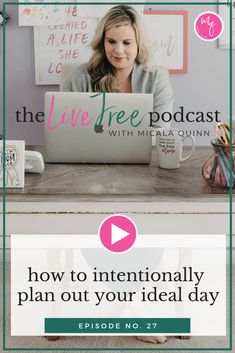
{"type": "Point", "coordinates": [169, 145]}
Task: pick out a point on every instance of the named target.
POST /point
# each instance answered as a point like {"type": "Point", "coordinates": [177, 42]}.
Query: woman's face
{"type": "Point", "coordinates": [121, 47]}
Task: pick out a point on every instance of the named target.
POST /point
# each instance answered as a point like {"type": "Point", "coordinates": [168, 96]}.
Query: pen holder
{"type": "Point", "coordinates": [216, 170]}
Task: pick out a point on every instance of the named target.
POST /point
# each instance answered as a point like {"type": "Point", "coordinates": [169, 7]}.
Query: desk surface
{"type": "Point", "coordinates": [112, 182]}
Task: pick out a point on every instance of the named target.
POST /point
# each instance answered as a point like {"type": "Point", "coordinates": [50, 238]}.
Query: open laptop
{"type": "Point", "coordinates": [97, 127]}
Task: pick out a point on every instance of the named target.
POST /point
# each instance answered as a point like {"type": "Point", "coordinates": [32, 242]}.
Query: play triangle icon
{"type": "Point", "coordinates": [117, 234]}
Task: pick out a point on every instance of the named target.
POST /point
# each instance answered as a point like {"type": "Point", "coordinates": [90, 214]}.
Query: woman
{"type": "Point", "coordinates": [120, 62]}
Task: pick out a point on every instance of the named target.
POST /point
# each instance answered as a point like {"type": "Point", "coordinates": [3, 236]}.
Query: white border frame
{"type": "Point", "coordinates": [223, 42]}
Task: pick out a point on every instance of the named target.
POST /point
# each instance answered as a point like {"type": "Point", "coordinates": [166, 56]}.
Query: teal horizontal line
{"type": "Point", "coordinates": [116, 3]}
{"type": "Point", "coordinates": [117, 349]}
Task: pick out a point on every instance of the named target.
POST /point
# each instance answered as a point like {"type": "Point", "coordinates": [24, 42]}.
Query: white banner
{"type": "Point", "coordinates": [162, 276]}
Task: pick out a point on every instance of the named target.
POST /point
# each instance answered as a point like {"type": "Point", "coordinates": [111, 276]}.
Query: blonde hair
{"type": "Point", "coordinates": [101, 71]}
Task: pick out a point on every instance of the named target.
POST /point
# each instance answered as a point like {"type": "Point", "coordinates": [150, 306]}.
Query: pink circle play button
{"type": "Point", "coordinates": [117, 233]}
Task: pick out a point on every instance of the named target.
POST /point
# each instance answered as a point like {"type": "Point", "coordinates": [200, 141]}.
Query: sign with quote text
{"type": "Point", "coordinates": [48, 12]}
{"type": "Point", "coordinates": [55, 45]}
{"type": "Point", "coordinates": [41, 14]}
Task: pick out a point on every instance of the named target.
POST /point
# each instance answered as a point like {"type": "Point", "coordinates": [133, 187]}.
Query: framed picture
{"type": "Point", "coordinates": [167, 33]}
{"type": "Point", "coordinates": [14, 163]}
{"type": "Point", "coordinates": [224, 12]}
{"type": "Point", "coordinates": [39, 14]}
{"type": "Point", "coordinates": [42, 13]}
{"type": "Point", "coordinates": [55, 46]}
